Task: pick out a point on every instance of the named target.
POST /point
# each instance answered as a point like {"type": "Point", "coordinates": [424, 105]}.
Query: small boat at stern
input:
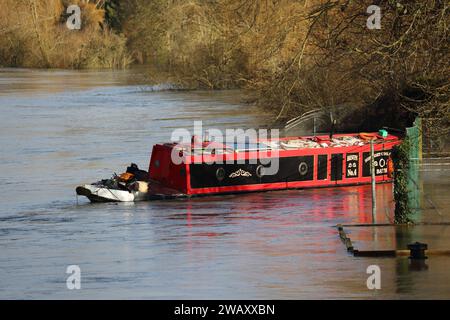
{"type": "Point", "coordinates": [130, 186]}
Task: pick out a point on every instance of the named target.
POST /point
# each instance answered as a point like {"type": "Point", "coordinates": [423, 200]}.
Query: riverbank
{"type": "Point", "coordinates": [292, 56]}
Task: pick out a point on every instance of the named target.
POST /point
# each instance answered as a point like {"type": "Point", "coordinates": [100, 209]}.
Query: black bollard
{"type": "Point", "coordinates": [417, 250]}
{"type": "Point", "coordinates": [417, 265]}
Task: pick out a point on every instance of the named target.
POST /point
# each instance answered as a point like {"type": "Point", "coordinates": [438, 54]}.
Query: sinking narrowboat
{"type": "Point", "coordinates": [208, 168]}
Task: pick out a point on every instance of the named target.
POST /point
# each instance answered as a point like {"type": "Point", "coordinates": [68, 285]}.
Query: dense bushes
{"type": "Point", "coordinates": [303, 55]}
{"type": "Point", "coordinates": [34, 34]}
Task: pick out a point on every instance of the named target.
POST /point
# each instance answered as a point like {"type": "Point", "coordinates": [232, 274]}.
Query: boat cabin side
{"type": "Point", "coordinates": [208, 170]}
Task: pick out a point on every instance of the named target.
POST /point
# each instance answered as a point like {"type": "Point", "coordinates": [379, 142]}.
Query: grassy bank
{"type": "Point", "coordinates": [294, 55]}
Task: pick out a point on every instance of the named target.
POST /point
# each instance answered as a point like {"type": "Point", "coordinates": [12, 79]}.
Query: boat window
{"type": "Point", "coordinates": [337, 161]}
{"type": "Point", "coordinates": [322, 167]}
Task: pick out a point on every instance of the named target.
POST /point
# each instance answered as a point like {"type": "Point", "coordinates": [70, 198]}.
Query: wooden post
{"type": "Point", "coordinates": [372, 172]}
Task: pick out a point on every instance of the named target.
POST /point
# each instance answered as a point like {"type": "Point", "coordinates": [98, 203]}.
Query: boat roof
{"type": "Point", "coordinates": [286, 143]}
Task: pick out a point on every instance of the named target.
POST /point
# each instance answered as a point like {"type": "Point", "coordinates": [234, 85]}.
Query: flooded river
{"type": "Point", "coordinates": [59, 129]}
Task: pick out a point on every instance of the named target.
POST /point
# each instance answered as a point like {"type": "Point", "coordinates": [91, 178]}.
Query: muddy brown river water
{"type": "Point", "coordinates": [62, 128]}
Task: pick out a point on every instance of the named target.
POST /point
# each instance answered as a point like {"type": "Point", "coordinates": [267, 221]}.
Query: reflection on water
{"type": "Point", "coordinates": [59, 129]}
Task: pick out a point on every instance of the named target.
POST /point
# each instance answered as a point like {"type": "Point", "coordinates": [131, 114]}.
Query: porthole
{"type": "Point", "coordinates": [220, 174]}
{"type": "Point", "coordinates": [303, 168]}
{"type": "Point", "coordinates": [260, 171]}
{"type": "Point", "coordinates": [157, 163]}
